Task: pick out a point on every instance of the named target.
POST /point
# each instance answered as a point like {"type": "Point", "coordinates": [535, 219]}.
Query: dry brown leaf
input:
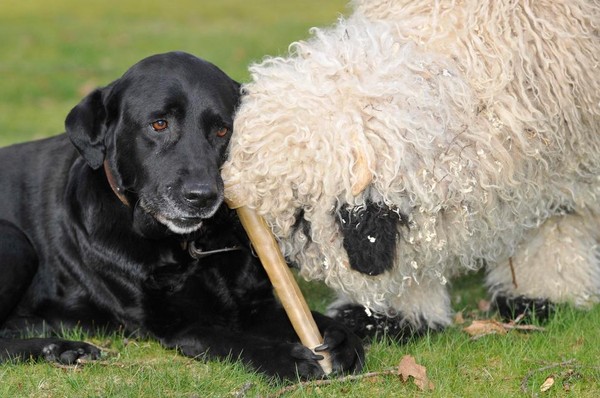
{"type": "Point", "coordinates": [484, 305]}
{"type": "Point", "coordinates": [408, 367]}
{"type": "Point", "coordinates": [485, 327]}
{"type": "Point", "coordinates": [547, 384]}
{"type": "Point", "coordinates": [480, 328]}
{"type": "Point", "coordinates": [458, 318]}
{"type": "Point", "coordinates": [524, 328]}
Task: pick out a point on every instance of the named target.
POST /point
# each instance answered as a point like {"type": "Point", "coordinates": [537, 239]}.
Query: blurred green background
{"type": "Point", "coordinates": [54, 52]}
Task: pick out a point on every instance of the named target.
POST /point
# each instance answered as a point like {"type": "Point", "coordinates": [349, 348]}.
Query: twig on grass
{"type": "Point", "coordinates": [324, 382]}
{"type": "Point", "coordinates": [80, 363]}
{"type": "Point", "coordinates": [242, 391]}
{"type": "Point", "coordinates": [481, 328]}
{"type": "Point", "coordinates": [525, 380]}
{"type": "Point", "coordinates": [523, 327]}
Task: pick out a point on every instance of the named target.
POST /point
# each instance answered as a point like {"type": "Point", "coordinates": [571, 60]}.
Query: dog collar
{"type": "Point", "coordinates": [198, 253]}
{"type": "Point", "coordinates": [113, 184]}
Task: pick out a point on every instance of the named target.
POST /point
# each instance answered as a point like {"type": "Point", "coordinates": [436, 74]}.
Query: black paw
{"type": "Point", "coordinates": [69, 352]}
{"type": "Point", "coordinates": [527, 309]}
{"type": "Point", "coordinates": [345, 349]}
{"type": "Point", "coordinates": [289, 361]}
{"type": "Point", "coordinates": [369, 325]}
{"type": "Point", "coordinates": [295, 361]}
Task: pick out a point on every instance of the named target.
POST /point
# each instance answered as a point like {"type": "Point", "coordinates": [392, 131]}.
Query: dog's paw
{"type": "Point", "coordinates": [527, 309]}
{"type": "Point", "coordinates": [371, 326]}
{"type": "Point", "coordinates": [295, 361]}
{"type": "Point", "coordinates": [344, 347]}
{"type": "Point", "coordinates": [290, 361]}
{"type": "Point", "coordinates": [69, 352]}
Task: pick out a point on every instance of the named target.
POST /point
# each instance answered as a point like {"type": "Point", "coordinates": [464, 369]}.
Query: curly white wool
{"type": "Point", "coordinates": [478, 120]}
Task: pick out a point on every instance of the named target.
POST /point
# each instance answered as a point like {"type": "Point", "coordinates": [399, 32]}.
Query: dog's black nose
{"type": "Point", "coordinates": [200, 195]}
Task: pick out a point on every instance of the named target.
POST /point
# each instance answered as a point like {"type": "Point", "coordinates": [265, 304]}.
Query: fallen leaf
{"type": "Point", "coordinates": [485, 327]}
{"type": "Point", "coordinates": [458, 318]}
{"type": "Point", "coordinates": [547, 384]}
{"type": "Point", "coordinates": [524, 328]}
{"type": "Point", "coordinates": [484, 305]}
{"type": "Point", "coordinates": [580, 342]}
{"type": "Point", "coordinates": [408, 367]}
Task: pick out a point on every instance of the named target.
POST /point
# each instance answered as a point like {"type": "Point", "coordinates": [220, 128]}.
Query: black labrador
{"type": "Point", "coordinates": [120, 224]}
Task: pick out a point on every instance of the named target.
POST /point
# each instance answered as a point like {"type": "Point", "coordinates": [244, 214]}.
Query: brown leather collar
{"type": "Point", "coordinates": [113, 184]}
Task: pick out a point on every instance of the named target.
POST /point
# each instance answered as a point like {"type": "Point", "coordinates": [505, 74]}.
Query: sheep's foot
{"type": "Point", "coordinates": [373, 326]}
{"type": "Point", "coordinates": [525, 308]}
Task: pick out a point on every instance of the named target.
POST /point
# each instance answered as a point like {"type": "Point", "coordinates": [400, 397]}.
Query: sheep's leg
{"type": "Point", "coordinates": [558, 263]}
{"type": "Point", "coordinates": [421, 308]}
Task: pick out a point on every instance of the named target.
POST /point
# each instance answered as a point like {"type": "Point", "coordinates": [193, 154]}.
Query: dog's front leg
{"type": "Point", "coordinates": [18, 264]}
{"type": "Point", "coordinates": [344, 347]}
{"type": "Point", "coordinates": [275, 358]}
{"type": "Point", "coordinates": [50, 349]}
{"type": "Point", "coordinates": [269, 344]}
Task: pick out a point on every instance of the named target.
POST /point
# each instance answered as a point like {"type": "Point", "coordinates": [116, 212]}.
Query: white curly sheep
{"type": "Point", "coordinates": [414, 140]}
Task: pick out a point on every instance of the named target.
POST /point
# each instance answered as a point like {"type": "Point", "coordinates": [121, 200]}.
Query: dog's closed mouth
{"type": "Point", "coordinates": [172, 217]}
{"type": "Point", "coordinates": [185, 220]}
{"type": "Point", "coordinates": [189, 219]}
{"type": "Point", "coordinates": [180, 225]}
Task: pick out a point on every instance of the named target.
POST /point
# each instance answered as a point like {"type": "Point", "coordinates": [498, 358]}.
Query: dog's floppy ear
{"type": "Point", "coordinates": [86, 127]}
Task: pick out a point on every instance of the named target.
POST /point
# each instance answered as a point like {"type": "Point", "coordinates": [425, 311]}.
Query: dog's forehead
{"type": "Point", "coordinates": [177, 67]}
{"type": "Point", "coordinates": [177, 77]}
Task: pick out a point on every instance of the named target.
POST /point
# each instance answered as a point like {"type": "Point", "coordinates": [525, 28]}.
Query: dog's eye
{"type": "Point", "coordinates": [222, 132]}
{"type": "Point", "coordinates": [160, 125]}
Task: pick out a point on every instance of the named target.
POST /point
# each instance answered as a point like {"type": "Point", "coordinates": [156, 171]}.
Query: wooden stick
{"type": "Point", "coordinates": [283, 281]}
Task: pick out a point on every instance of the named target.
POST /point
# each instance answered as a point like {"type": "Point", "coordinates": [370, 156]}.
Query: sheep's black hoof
{"type": "Point", "coordinates": [510, 308]}
{"type": "Point", "coordinates": [371, 326]}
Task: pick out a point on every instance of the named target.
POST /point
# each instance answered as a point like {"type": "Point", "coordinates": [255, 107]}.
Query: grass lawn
{"type": "Point", "coordinates": [54, 52]}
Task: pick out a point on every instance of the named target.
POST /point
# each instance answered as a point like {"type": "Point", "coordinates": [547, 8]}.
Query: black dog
{"type": "Point", "coordinates": [127, 229]}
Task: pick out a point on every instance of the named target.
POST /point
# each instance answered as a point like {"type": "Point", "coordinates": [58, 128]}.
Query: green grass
{"type": "Point", "coordinates": [54, 52]}
{"type": "Point", "coordinates": [492, 366]}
